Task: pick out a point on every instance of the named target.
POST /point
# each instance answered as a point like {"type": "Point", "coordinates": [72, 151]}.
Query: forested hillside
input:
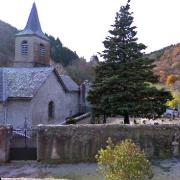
{"type": "Point", "coordinates": [169, 63]}
{"type": "Point", "coordinates": [7, 41]}
{"type": "Point", "coordinates": [59, 53]}
{"type": "Point", "coordinates": [168, 69]}
{"type": "Point", "coordinates": [67, 61]}
{"type": "Point", "coordinates": [63, 59]}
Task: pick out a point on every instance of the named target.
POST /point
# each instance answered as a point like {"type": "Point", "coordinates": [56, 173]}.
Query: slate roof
{"type": "Point", "coordinates": [25, 82]}
{"type": "Point", "coordinates": [69, 83]}
{"type": "Point", "coordinates": [33, 26]}
{"type": "Point", "coordinates": [22, 82]}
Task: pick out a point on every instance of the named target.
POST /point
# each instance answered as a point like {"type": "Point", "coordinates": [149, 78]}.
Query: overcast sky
{"type": "Point", "coordinates": [82, 25]}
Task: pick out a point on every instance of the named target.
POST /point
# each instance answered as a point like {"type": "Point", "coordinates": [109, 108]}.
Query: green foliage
{"type": "Point", "coordinates": [122, 82]}
{"type": "Point", "coordinates": [61, 54]}
{"type": "Point", "coordinates": [174, 103]}
{"type": "Point", "coordinates": [171, 80]}
{"type": "Point", "coordinates": [124, 161]}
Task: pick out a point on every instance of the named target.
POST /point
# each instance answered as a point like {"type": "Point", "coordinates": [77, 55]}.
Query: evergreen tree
{"type": "Point", "coordinates": [123, 82]}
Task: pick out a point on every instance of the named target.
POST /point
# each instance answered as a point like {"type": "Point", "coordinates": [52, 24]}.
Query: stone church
{"type": "Point", "coordinates": [31, 91]}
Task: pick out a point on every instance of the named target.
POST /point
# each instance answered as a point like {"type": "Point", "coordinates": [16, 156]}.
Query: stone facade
{"type": "Point", "coordinates": [32, 92]}
{"type": "Point", "coordinates": [18, 111]}
{"type": "Point", "coordinates": [80, 143]}
{"type": "Point", "coordinates": [32, 58]}
{"type": "Point", "coordinates": [65, 103]}
{"type": "Point", "coordinates": [34, 110]}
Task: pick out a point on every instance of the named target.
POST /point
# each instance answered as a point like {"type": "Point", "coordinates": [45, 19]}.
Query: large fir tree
{"type": "Point", "coordinates": [123, 82]}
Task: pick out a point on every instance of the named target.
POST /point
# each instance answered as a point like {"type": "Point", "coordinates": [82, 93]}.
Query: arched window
{"type": "Point", "coordinates": [42, 50]}
{"type": "Point", "coordinates": [24, 47]}
{"type": "Point", "coordinates": [51, 110]}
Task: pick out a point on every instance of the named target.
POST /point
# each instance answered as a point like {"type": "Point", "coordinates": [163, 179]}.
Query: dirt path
{"type": "Point", "coordinates": [37, 170]}
{"type": "Point", "coordinates": [162, 170]}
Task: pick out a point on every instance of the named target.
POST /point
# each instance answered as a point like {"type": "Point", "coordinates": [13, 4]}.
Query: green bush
{"type": "Point", "coordinates": [124, 161]}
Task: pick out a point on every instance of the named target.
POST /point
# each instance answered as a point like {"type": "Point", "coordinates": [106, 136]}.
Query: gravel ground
{"type": "Point", "coordinates": [166, 170]}
{"type": "Point", "coordinates": [30, 170]}
{"type": "Point", "coordinates": [162, 170]}
{"type": "Point", "coordinates": [120, 120]}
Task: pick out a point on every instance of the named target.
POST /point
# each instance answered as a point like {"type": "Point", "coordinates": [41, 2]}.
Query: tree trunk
{"type": "Point", "coordinates": [126, 118]}
{"type": "Point", "coordinates": [104, 119]}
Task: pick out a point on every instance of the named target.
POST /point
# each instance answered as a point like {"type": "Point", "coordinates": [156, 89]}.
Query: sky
{"type": "Point", "coordinates": [82, 25]}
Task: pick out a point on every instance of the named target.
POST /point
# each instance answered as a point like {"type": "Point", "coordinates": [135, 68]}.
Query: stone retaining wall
{"type": "Point", "coordinates": [5, 134]}
{"type": "Point", "coordinates": [80, 143]}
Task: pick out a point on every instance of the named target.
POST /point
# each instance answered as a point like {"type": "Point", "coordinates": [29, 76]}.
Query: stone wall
{"type": "Point", "coordinates": [80, 143]}
{"type": "Point", "coordinates": [65, 103]}
{"type": "Point", "coordinates": [32, 57]}
{"type": "Point", "coordinates": [5, 134]}
{"type": "Point", "coordinates": [18, 111]}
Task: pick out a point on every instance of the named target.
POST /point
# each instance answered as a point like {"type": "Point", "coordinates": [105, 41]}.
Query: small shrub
{"type": "Point", "coordinates": [124, 161]}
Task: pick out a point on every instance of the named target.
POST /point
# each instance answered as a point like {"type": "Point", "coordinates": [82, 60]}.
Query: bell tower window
{"type": "Point", "coordinates": [42, 50]}
{"type": "Point", "coordinates": [24, 47]}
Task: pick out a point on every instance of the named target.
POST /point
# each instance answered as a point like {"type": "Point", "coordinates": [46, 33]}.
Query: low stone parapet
{"type": "Point", "coordinates": [80, 143]}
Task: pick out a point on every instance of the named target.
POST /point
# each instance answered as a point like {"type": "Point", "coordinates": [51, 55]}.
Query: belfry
{"type": "Point", "coordinates": [32, 47]}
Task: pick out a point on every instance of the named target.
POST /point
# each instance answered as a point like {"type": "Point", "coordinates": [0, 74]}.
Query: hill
{"type": "Point", "coordinates": [7, 41]}
{"type": "Point", "coordinates": [59, 53]}
{"type": "Point", "coordinates": [168, 69]}
{"type": "Point", "coordinates": [167, 59]}
{"type": "Point", "coordinates": [168, 65]}
{"type": "Point", "coordinates": [156, 54]}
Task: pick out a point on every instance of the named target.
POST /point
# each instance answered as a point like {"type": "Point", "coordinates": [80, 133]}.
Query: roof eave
{"type": "Point", "coordinates": [60, 80]}
{"type": "Point", "coordinates": [20, 98]}
{"type": "Point", "coordinates": [21, 34]}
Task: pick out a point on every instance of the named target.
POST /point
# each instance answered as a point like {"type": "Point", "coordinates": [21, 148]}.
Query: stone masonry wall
{"type": "Point", "coordinates": [32, 57]}
{"type": "Point", "coordinates": [80, 143]}
{"type": "Point", "coordinates": [5, 134]}
{"type": "Point", "coordinates": [65, 103]}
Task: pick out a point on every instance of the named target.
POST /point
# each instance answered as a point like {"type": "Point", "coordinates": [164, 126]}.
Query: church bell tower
{"type": "Point", "coordinates": [32, 48]}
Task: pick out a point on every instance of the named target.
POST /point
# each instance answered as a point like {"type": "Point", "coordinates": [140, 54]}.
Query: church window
{"type": "Point", "coordinates": [42, 50]}
{"type": "Point", "coordinates": [51, 110]}
{"type": "Point", "coordinates": [24, 48]}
